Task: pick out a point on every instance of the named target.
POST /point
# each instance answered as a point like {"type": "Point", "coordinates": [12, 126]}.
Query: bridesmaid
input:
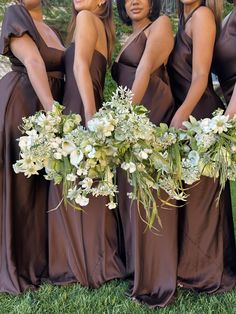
{"type": "Point", "coordinates": [35, 80]}
{"type": "Point", "coordinates": [207, 245]}
{"type": "Point", "coordinates": [151, 260]}
{"type": "Point", "coordinates": [224, 62]}
{"type": "Point", "coordinates": [83, 246]}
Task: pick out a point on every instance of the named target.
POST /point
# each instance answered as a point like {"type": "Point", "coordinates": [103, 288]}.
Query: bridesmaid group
{"type": "Point", "coordinates": [172, 78]}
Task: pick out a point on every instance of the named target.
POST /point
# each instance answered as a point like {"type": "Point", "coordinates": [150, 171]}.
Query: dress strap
{"type": "Point", "coordinates": [146, 27]}
{"type": "Point", "coordinates": [190, 15]}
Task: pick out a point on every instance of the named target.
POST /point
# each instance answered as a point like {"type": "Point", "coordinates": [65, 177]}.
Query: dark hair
{"type": "Point", "coordinates": [154, 12]}
{"type": "Point", "coordinates": [214, 5]}
{"type": "Point", "coordinates": [106, 15]}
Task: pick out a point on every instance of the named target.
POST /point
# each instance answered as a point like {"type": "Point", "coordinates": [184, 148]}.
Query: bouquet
{"type": "Point", "coordinates": [208, 147]}
{"type": "Point", "coordinates": [85, 160]}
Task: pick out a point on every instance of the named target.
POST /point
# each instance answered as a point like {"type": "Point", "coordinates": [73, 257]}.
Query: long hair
{"type": "Point", "coordinates": [215, 6]}
{"type": "Point", "coordinates": [154, 12]}
{"type": "Point", "coordinates": [106, 15]}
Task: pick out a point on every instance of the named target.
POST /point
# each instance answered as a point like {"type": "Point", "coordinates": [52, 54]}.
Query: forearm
{"type": "Point", "coordinates": [140, 85]}
{"type": "Point", "coordinates": [85, 86]}
{"type": "Point", "coordinates": [231, 109]}
{"type": "Point", "coordinates": [36, 70]}
{"type": "Point", "coordinates": [196, 91]}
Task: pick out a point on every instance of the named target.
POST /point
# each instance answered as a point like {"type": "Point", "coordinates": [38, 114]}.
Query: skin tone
{"type": "Point", "coordinates": [203, 45]}
{"type": "Point", "coordinates": [231, 109]}
{"type": "Point", "coordinates": [85, 44]}
{"type": "Point", "coordinates": [30, 55]}
{"type": "Point", "coordinates": [158, 47]}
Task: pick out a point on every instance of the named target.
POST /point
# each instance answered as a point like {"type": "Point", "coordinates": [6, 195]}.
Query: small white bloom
{"type": "Point", "coordinates": [72, 193]}
{"type": "Point", "coordinates": [143, 155]}
{"type": "Point", "coordinates": [111, 205]}
{"type": "Point", "coordinates": [130, 166]}
{"type": "Point", "coordinates": [57, 155]}
{"type": "Point", "coordinates": [92, 153]}
{"type": "Point", "coordinates": [81, 172]}
{"type": "Point", "coordinates": [205, 125]}
{"type": "Point", "coordinates": [194, 158]}
{"type": "Point", "coordinates": [86, 183]}
{"type": "Point", "coordinates": [71, 177]}
{"type": "Point", "coordinates": [82, 200]}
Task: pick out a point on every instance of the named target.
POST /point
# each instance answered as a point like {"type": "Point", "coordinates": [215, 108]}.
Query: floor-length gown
{"type": "Point", "coordinates": [23, 209]}
{"type": "Point", "coordinates": [206, 233]}
{"type": "Point", "coordinates": [151, 259]}
{"type": "Point", "coordinates": [83, 246]}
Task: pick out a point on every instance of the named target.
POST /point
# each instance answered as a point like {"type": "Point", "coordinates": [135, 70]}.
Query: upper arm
{"type": "Point", "coordinates": [29, 53]}
{"type": "Point", "coordinates": [203, 37]}
{"type": "Point", "coordinates": [86, 36]}
{"type": "Point", "coordinates": [159, 44]}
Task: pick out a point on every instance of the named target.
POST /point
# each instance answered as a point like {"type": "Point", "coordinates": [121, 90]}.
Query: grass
{"type": "Point", "coordinates": [110, 299]}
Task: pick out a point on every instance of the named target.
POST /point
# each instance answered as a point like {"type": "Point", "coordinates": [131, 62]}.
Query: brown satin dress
{"type": "Point", "coordinates": [151, 259]}
{"type": "Point", "coordinates": [206, 233]}
{"type": "Point", "coordinates": [23, 209]}
{"type": "Point", "coordinates": [224, 61]}
{"type": "Point", "coordinates": [83, 246]}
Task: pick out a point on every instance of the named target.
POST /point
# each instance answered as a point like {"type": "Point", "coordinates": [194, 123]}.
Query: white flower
{"type": "Point", "coordinates": [86, 183]}
{"type": "Point", "coordinates": [143, 155]}
{"type": "Point", "coordinates": [194, 158]}
{"type": "Point", "coordinates": [17, 167]}
{"type": "Point", "coordinates": [220, 124]}
{"type": "Point", "coordinates": [67, 147]}
{"type": "Point", "coordinates": [71, 177]}
{"type": "Point", "coordinates": [76, 157]}
{"type": "Point", "coordinates": [57, 155]}
{"type": "Point", "coordinates": [205, 125]}
{"type": "Point", "coordinates": [82, 200]}
{"type": "Point", "coordinates": [24, 142]}
{"type": "Point", "coordinates": [81, 172]}
{"type": "Point", "coordinates": [92, 153]}
{"type": "Point", "coordinates": [111, 205]}
{"type": "Point", "coordinates": [72, 193]}
{"type": "Point", "coordinates": [129, 166]}
{"type": "Point", "coordinates": [32, 170]}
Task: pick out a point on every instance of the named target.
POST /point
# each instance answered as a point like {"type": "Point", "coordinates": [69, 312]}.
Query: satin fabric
{"type": "Point", "coordinates": [224, 60]}
{"type": "Point", "coordinates": [23, 209]}
{"type": "Point", "coordinates": [83, 246]}
{"type": "Point", "coordinates": [206, 234]}
{"type": "Point", "coordinates": [151, 259]}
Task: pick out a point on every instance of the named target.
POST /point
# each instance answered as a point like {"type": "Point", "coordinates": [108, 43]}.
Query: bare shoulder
{"type": "Point", "coordinates": [85, 17]}
{"type": "Point", "coordinates": [162, 24]}
{"type": "Point", "coordinates": [203, 13]}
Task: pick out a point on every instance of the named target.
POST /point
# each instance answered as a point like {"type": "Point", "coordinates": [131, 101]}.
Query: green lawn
{"type": "Point", "coordinates": [110, 299]}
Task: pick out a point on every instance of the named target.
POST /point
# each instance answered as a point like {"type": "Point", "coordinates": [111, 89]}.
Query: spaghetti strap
{"type": "Point", "coordinates": [190, 15]}
{"type": "Point", "coordinates": [146, 27]}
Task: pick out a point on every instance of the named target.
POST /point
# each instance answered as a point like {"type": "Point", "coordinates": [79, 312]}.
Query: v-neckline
{"type": "Point", "coordinates": [132, 41]}
{"type": "Point", "coordinates": [40, 36]}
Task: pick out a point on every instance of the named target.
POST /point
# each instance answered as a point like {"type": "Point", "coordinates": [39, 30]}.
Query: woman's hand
{"type": "Point", "coordinates": [88, 116]}
{"type": "Point", "coordinates": [230, 112]}
{"type": "Point", "coordinates": [231, 109]}
{"type": "Point", "coordinates": [178, 119]}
